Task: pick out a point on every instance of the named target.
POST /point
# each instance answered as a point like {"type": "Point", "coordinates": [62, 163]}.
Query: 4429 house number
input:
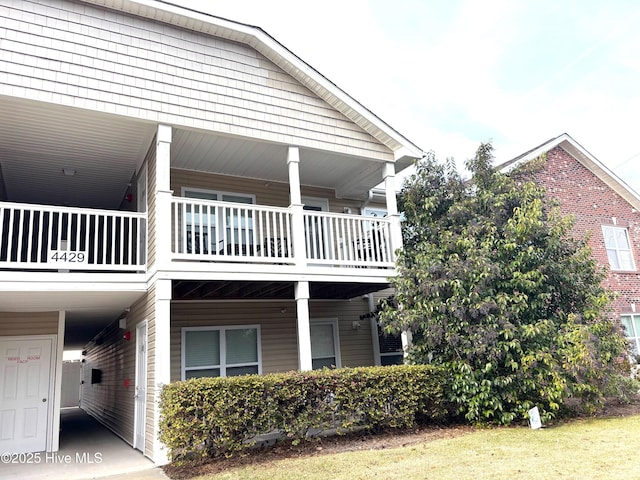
{"type": "Point", "coordinates": [63, 256]}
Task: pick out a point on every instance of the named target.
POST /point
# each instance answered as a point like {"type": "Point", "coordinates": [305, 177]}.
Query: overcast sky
{"type": "Point", "coordinates": [449, 74]}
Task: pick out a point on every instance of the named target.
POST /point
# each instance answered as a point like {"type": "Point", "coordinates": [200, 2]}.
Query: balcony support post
{"type": "Point", "coordinates": [163, 194]}
{"type": "Point", "coordinates": [161, 361]}
{"type": "Point", "coordinates": [296, 206]}
{"type": "Point", "coordinates": [389, 177]}
{"type": "Point", "coordinates": [304, 329]}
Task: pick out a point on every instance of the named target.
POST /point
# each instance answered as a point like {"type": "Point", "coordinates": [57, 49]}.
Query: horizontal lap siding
{"type": "Point", "coordinates": [150, 162]}
{"type": "Point", "coordinates": [77, 54]}
{"type": "Point", "coordinates": [267, 193]}
{"type": "Point", "coordinates": [143, 310]}
{"type": "Point", "coordinates": [110, 401]}
{"type": "Point", "coordinates": [356, 348]}
{"type": "Point", "coordinates": [28, 323]}
{"type": "Point", "coordinates": [277, 329]}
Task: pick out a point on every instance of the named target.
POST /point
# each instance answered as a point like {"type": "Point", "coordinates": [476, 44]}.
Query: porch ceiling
{"type": "Point", "coordinates": [39, 139]}
{"type": "Point", "coordinates": [351, 177]}
{"type": "Point", "coordinates": [239, 290]}
{"type": "Point", "coordinates": [87, 312]}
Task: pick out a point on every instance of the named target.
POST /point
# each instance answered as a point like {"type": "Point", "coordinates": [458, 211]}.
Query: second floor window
{"type": "Point", "coordinates": [616, 240]}
{"type": "Point", "coordinates": [631, 325]}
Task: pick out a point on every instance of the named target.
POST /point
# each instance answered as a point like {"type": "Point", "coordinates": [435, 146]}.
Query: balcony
{"type": "Point", "coordinates": [41, 237]}
{"type": "Point", "coordinates": [211, 231]}
{"type": "Point", "coordinates": [64, 239]}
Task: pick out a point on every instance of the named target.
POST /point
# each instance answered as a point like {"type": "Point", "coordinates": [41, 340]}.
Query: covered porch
{"type": "Point", "coordinates": [97, 192]}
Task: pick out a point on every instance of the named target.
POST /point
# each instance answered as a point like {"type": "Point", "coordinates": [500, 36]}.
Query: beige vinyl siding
{"type": "Point", "coordinates": [150, 162]}
{"type": "Point", "coordinates": [356, 348]}
{"type": "Point", "coordinates": [277, 329]}
{"type": "Point", "coordinates": [28, 323]}
{"type": "Point", "coordinates": [73, 53]}
{"type": "Point", "coordinates": [277, 320]}
{"type": "Point", "coordinates": [267, 193]}
{"type": "Point", "coordinates": [380, 294]}
{"type": "Point", "coordinates": [143, 310]}
{"type": "Point", "coordinates": [110, 401]}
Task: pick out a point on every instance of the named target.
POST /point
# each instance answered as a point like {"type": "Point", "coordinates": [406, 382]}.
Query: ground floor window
{"type": "Point", "coordinates": [221, 351]}
{"type": "Point", "coordinates": [631, 325]}
{"type": "Point", "coordinates": [325, 344]}
{"type": "Point", "coordinates": [391, 352]}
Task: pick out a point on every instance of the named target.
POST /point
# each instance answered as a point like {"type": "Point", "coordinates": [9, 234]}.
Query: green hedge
{"type": "Point", "coordinates": [219, 416]}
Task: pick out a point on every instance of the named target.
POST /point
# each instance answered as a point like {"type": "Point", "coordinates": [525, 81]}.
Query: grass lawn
{"type": "Point", "coordinates": [602, 448]}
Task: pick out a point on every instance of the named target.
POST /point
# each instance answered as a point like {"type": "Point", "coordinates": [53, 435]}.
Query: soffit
{"type": "Point", "coordinates": [87, 312]}
{"type": "Point", "coordinates": [351, 177]}
{"type": "Point", "coordinates": [38, 140]}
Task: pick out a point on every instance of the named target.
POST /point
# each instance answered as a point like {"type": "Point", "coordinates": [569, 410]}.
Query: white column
{"type": "Point", "coordinates": [161, 360]}
{"type": "Point", "coordinates": [304, 330]}
{"type": "Point", "coordinates": [163, 194]}
{"type": "Point", "coordinates": [389, 177]}
{"type": "Point", "coordinates": [297, 210]}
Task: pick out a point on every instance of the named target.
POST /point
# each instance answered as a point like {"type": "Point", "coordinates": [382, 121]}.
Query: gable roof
{"type": "Point", "coordinates": [591, 163]}
{"type": "Point", "coordinates": [163, 11]}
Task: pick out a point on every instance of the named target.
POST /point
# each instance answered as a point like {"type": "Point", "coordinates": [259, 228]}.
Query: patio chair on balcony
{"type": "Point", "coordinates": [275, 247]}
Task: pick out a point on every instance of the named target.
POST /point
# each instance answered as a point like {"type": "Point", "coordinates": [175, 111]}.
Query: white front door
{"type": "Point", "coordinates": [25, 367]}
{"type": "Point", "coordinates": [141, 386]}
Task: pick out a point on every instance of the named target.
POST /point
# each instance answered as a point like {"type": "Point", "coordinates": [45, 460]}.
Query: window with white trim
{"type": "Point", "coordinates": [391, 352]}
{"type": "Point", "coordinates": [220, 228]}
{"type": "Point", "coordinates": [616, 240]}
{"type": "Point", "coordinates": [325, 344]}
{"type": "Point", "coordinates": [221, 351]}
{"type": "Point", "coordinates": [631, 325]}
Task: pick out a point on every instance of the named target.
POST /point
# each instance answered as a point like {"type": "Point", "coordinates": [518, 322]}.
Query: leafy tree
{"type": "Point", "coordinates": [494, 287]}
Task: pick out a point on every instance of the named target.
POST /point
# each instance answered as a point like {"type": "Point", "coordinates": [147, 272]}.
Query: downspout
{"type": "Point", "coordinates": [366, 202]}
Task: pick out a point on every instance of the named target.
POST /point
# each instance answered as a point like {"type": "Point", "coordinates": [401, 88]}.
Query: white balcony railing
{"type": "Point", "coordinates": [348, 240]}
{"type": "Point", "coordinates": [222, 231]}
{"type": "Point", "coordinates": [63, 238]}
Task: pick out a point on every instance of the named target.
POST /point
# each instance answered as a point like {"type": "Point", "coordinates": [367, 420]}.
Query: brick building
{"type": "Point", "coordinates": [606, 211]}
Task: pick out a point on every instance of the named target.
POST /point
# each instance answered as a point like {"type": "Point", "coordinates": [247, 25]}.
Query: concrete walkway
{"type": "Point", "coordinates": [87, 451]}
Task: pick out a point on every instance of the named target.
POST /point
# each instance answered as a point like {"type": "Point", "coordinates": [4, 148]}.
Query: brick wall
{"type": "Point", "coordinates": [594, 204]}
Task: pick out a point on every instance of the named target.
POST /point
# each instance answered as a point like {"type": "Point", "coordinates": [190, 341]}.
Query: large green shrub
{"type": "Point", "coordinates": [218, 416]}
{"type": "Point", "coordinates": [496, 289]}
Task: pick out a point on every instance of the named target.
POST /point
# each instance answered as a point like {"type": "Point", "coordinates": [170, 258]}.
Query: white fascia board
{"type": "Point", "coordinates": [312, 274]}
{"type": "Point", "coordinates": [272, 49]}
{"type": "Point", "coordinates": [602, 172]}
{"type": "Point", "coordinates": [544, 148]}
{"type": "Point", "coordinates": [11, 281]}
